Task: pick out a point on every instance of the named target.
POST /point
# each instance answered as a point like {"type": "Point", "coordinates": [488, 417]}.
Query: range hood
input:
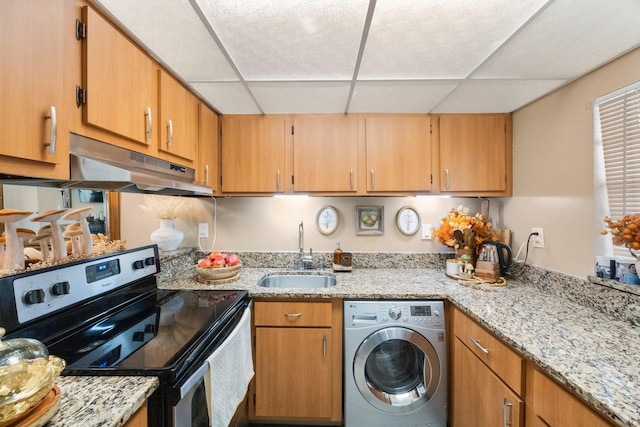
{"type": "Point", "coordinates": [96, 165]}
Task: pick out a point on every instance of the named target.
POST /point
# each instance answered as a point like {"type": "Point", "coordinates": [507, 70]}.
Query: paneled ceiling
{"type": "Point", "coordinates": [385, 56]}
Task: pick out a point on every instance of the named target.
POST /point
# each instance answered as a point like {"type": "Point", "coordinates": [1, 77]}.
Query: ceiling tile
{"type": "Point", "coordinates": [301, 97]}
{"type": "Point", "coordinates": [227, 97]}
{"type": "Point", "coordinates": [495, 96]}
{"type": "Point", "coordinates": [175, 34]}
{"type": "Point", "coordinates": [289, 39]}
{"type": "Point", "coordinates": [399, 96]}
{"type": "Point", "coordinates": [416, 39]}
{"type": "Point", "coordinates": [567, 40]}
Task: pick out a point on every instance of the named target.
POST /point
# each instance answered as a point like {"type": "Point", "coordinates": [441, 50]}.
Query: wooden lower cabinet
{"type": "Point", "coordinates": [480, 398]}
{"type": "Point", "coordinates": [139, 419]}
{"type": "Point", "coordinates": [549, 404]}
{"type": "Point", "coordinates": [298, 362]}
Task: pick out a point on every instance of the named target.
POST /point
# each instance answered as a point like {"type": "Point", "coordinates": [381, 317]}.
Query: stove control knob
{"type": "Point", "coordinates": [60, 288]}
{"type": "Point", "coordinates": [35, 296]}
{"type": "Point", "coordinates": [139, 264]}
{"type": "Point", "coordinates": [138, 336]}
{"type": "Point", "coordinates": [395, 313]}
{"type": "Point", "coordinates": [150, 328]}
{"type": "Point", "coordinates": [150, 261]}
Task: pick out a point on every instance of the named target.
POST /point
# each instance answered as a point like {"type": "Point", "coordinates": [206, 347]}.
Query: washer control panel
{"type": "Point", "coordinates": [408, 312]}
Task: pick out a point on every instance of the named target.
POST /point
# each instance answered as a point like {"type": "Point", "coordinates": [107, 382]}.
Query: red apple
{"type": "Point", "coordinates": [232, 259]}
{"type": "Point", "coordinates": [205, 263]}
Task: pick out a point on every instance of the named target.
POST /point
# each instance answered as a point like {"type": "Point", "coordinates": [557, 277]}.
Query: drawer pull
{"type": "Point", "coordinates": [324, 344]}
{"type": "Point", "coordinates": [54, 130]}
{"type": "Point", "coordinates": [293, 315]}
{"type": "Point", "coordinates": [477, 344]}
{"type": "Point", "coordinates": [506, 409]}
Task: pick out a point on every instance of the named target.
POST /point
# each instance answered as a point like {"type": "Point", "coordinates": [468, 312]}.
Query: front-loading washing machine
{"type": "Point", "coordinates": [395, 363]}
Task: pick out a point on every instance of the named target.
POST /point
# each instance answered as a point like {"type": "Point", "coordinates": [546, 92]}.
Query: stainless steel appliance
{"type": "Point", "coordinates": [395, 364]}
{"type": "Point", "coordinates": [105, 316]}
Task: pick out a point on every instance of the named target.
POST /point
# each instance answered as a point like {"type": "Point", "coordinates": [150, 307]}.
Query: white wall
{"type": "Point", "coordinates": [271, 223]}
{"type": "Point", "coordinates": [553, 169]}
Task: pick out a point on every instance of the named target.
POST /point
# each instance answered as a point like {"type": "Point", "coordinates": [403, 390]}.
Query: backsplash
{"type": "Point", "coordinates": [603, 295]}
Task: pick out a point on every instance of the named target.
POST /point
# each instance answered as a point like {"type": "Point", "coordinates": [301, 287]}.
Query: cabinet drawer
{"type": "Point", "coordinates": [292, 313]}
{"type": "Point", "coordinates": [496, 355]}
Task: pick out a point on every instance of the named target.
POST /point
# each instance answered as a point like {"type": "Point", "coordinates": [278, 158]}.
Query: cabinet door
{"type": "Point", "coordinates": [552, 406]}
{"type": "Point", "coordinates": [120, 81]}
{"type": "Point", "coordinates": [31, 82]}
{"type": "Point", "coordinates": [325, 153]}
{"type": "Point", "coordinates": [293, 372]}
{"type": "Point", "coordinates": [252, 154]}
{"type": "Point", "coordinates": [178, 118]}
{"type": "Point", "coordinates": [473, 152]}
{"type": "Point", "coordinates": [207, 169]}
{"type": "Point", "coordinates": [398, 153]}
{"type": "Point", "coordinates": [479, 397]}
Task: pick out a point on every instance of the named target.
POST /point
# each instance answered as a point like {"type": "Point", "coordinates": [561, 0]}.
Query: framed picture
{"type": "Point", "coordinates": [369, 219]}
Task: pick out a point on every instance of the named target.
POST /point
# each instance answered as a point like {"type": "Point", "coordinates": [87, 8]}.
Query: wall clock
{"type": "Point", "coordinates": [327, 220]}
{"type": "Point", "coordinates": [408, 221]}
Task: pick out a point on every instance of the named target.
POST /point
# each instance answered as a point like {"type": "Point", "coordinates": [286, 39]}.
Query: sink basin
{"type": "Point", "coordinates": [297, 281]}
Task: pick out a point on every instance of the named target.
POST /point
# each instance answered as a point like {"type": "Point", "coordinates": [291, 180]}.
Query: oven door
{"type": "Point", "coordinates": [192, 409]}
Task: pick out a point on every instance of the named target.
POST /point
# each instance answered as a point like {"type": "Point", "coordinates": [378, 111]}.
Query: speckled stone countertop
{"type": "Point", "coordinates": [100, 401]}
{"type": "Point", "coordinates": [591, 353]}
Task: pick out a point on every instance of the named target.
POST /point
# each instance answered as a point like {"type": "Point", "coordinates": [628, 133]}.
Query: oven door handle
{"type": "Point", "coordinates": [194, 379]}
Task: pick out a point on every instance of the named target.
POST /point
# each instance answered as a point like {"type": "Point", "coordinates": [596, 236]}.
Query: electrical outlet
{"type": "Point", "coordinates": [203, 230]}
{"type": "Point", "coordinates": [537, 241]}
{"type": "Point", "coordinates": [427, 234]}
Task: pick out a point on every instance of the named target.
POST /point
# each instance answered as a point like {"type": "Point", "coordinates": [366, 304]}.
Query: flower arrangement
{"type": "Point", "coordinates": [473, 230]}
{"type": "Point", "coordinates": [165, 207]}
{"type": "Point", "coordinates": [625, 232]}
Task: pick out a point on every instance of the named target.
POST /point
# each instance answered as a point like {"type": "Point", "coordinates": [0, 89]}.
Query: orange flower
{"type": "Point", "coordinates": [457, 219]}
{"type": "Point", "coordinates": [625, 232]}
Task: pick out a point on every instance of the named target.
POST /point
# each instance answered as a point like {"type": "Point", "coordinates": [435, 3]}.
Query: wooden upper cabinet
{"type": "Point", "coordinates": [398, 153]}
{"type": "Point", "coordinates": [178, 118]}
{"type": "Point", "coordinates": [208, 147]}
{"type": "Point", "coordinates": [34, 119]}
{"type": "Point", "coordinates": [325, 153]}
{"type": "Point", "coordinates": [252, 152]}
{"type": "Point", "coordinates": [475, 153]}
{"type": "Point", "coordinates": [120, 81]}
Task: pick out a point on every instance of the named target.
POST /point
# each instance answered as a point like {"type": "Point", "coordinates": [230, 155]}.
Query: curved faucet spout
{"type": "Point", "coordinates": [301, 237]}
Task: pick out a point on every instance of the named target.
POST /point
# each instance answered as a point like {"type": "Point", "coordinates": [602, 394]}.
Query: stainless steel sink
{"type": "Point", "coordinates": [297, 281]}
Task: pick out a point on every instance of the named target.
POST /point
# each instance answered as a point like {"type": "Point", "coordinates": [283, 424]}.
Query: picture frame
{"type": "Point", "coordinates": [369, 220]}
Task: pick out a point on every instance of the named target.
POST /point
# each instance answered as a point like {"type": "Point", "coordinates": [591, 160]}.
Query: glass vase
{"type": "Point", "coordinates": [167, 237]}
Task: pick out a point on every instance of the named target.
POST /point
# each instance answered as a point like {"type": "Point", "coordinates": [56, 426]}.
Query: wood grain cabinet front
{"type": "Point", "coordinates": [298, 361]}
{"type": "Point", "coordinates": [35, 120]}
{"type": "Point", "coordinates": [121, 84]}
{"type": "Point", "coordinates": [398, 153]}
{"type": "Point", "coordinates": [208, 148]}
{"type": "Point", "coordinates": [475, 153]}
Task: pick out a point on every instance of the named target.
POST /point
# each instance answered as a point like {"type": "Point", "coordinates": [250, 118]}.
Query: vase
{"type": "Point", "coordinates": [167, 237]}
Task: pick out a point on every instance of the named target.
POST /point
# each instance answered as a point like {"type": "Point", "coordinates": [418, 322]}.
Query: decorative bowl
{"type": "Point", "coordinates": [217, 273]}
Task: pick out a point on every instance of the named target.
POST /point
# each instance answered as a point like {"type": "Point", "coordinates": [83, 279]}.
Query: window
{"type": "Point", "coordinates": [617, 158]}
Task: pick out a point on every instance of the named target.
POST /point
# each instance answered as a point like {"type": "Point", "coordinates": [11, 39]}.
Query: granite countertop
{"type": "Point", "coordinates": [591, 353]}
{"type": "Point", "coordinates": [101, 400]}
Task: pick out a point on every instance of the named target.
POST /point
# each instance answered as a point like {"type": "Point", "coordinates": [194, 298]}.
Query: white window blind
{"type": "Point", "coordinates": [619, 123]}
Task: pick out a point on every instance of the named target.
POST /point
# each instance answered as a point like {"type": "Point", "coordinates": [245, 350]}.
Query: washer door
{"type": "Point", "coordinates": [397, 370]}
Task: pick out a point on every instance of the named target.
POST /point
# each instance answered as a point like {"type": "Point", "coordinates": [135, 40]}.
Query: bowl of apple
{"type": "Point", "coordinates": [219, 266]}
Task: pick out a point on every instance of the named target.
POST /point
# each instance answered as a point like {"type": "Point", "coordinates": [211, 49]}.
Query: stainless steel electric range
{"type": "Point", "coordinates": [105, 316]}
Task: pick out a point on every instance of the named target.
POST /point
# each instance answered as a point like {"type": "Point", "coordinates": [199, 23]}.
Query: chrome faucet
{"type": "Point", "coordinates": [305, 262]}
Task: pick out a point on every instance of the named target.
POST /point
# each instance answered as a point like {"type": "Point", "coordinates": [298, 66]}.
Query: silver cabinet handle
{"type": "Point", "coordinates": [446, 178]}
{"type": "Point", "coordinates": [351, 179]}
{"type": "Point", "coordinates": [506, 409]}
{"type": "Point", "coordinates": [278, 180]}
{"type": "Point", "coordinates": [170, 140]}
{"type": "Point", "coordinates": [206, 175]}
{"type": "Point", "coordinates": [54, 130]}
{"type": "Point", "coordinates": [324, 344]}
{"type": "Point", "coordinates": [477, 344]}
{"type": "Point", "coordinates": [373, 179]}
{"type": "Point", "coordinates": [149, 123]}
{"type": "Point", "coordinates": [296, 315]}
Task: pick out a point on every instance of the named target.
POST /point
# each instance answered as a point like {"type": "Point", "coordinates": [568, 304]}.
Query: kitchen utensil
{"type": "Point", "coordinates": [459, 236]}
{"type": "Point", "coordinates": [498, 252]}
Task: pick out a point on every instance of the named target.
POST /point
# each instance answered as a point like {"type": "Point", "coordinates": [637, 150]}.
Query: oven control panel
{"type": "Point", "coordinates": [52, 289]}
